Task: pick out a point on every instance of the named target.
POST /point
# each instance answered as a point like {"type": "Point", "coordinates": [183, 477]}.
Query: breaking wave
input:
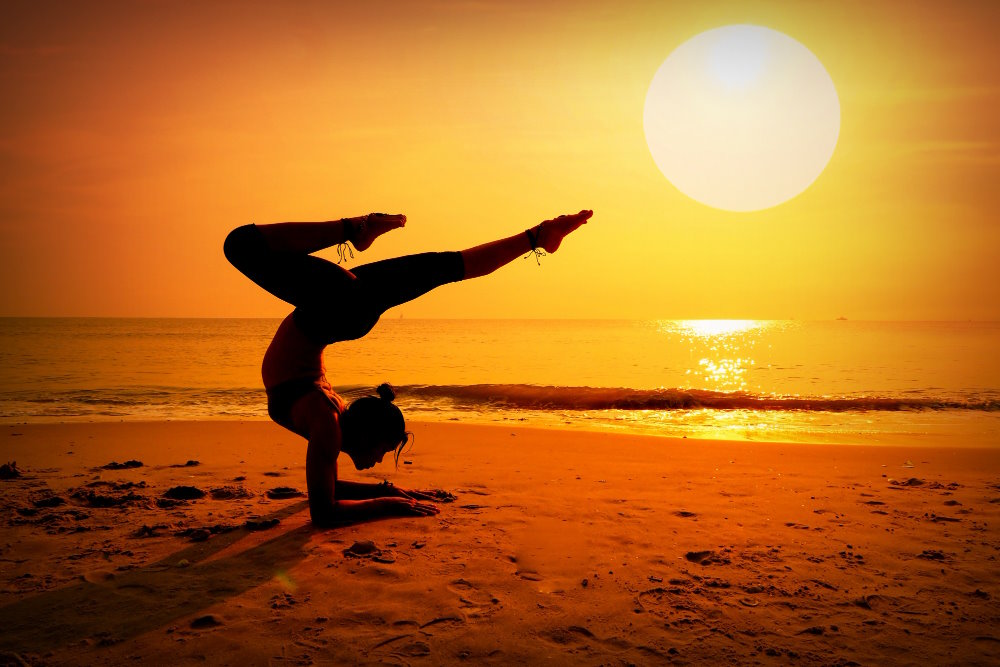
{"type": "Point", "coordinates": [156, 402]}
{"type": "Point", "coordinates": [533, 397]}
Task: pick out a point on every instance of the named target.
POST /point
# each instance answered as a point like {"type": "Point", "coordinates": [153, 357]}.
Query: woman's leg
{"type": "Point", "coordinates": [334, 304]}
{"type": "Point", "coordinates": [382, 285]}
{"type": "Point", "coordinates": [276, 256]}
{"type": "Point", "coordinates": [306, 237]}
{"type": "Point", "coordinates": [309, 237]}
{"type": "Point", "coordinates": [291, 276]}
{"type": "Point", "coordinates": [487, 258]}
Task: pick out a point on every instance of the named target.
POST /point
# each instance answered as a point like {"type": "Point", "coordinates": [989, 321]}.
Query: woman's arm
{"type": "Point", "coordinates": [353, 511]}
{"type": "Point", "coordinates": [361, 490]}
{"type": "Point", "coordinates": [321, 467]}
{"type": "Point", "coordinates": [347, 490]}
{"type": "Point", "coordinates": [332, 501]}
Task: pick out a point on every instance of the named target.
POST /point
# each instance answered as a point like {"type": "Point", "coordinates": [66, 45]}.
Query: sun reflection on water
{"type": "Point", "coordinates": [721, 351]}
{"type": "Point", "coordinates": [714, 328]}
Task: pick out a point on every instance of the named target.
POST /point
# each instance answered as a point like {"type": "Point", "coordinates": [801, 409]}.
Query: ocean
{"type": "Point", "coordinates": [829, 381]}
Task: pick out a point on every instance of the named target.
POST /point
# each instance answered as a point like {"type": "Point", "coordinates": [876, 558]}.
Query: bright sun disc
{"type": "Point", "coordinates": [741, 118]}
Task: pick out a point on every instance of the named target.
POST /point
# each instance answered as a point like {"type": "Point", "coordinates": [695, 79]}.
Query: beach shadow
{"type": "Point", "coordinates": [136, 601]}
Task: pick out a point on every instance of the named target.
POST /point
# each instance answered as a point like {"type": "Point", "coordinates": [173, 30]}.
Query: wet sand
{"type": "Point", "coordinates": [561, 547]}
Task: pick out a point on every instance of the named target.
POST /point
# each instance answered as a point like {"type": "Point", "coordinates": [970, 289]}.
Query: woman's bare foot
{"type": "Point", "coordinates": [373, 226]}
{"type": "Point", "coordinates": [550, 234]}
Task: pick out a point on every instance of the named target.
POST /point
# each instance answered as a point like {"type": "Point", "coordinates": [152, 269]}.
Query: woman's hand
{"type": "Point", "coordinates": [432, 495]}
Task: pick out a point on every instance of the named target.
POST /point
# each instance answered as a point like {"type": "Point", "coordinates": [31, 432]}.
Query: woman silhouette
{"type": "Point", "coordinates": [333, 304]}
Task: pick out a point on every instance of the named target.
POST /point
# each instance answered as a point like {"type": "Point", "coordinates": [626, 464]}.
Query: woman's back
{"type": "Point", "coordinates": [290, 356]}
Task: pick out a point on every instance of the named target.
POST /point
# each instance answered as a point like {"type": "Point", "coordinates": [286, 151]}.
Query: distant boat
{"type": "Point", "coordinates": [842, 318]}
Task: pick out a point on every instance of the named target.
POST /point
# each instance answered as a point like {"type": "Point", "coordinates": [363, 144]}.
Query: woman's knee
{"type": "Point", "coordinates": [242, 245]}
{"type": "Point", "coordinates": [335, 322]}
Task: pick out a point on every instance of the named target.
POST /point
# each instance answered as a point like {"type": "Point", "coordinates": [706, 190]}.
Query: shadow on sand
{"type": "Point", "coordinates": [136, 601]}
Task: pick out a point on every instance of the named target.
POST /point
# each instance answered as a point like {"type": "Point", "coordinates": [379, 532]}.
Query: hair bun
{"type": "Point", "coordinates": [386, 392]}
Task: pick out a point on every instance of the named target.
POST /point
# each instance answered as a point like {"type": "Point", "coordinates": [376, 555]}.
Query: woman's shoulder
{"type": "Point", "coordinates": [314, 412]}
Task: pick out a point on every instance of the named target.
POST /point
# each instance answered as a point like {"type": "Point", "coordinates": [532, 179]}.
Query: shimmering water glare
{"type": "Point", "coordinates": [838, 381]}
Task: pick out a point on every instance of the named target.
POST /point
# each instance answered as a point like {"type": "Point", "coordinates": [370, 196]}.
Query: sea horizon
{"type": "Point", "coordinates": [787, 380]}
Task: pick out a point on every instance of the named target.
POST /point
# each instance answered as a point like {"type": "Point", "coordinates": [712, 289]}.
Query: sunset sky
{"type": "Point", "coordinates": [134, 135]}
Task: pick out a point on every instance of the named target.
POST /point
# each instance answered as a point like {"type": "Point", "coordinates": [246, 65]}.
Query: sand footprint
{"type": "Point", "coordinates": [442, 622]}
{"type": "Point", "coordinates": [667, 601]}
{"type": "Point", "coordinates": [474, 600]}
{"type": "Point", "coordinates": [98, 576]}
{"type": "Point", "coordinates": [408, 644]}
{"type": "Point", "coordinates": [568, 636]}
{"type": "Point", "coordinates": [402, 647]}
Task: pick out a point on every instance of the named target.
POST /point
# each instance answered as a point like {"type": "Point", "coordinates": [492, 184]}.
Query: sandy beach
{"type": "Point", "coordinates": [561, 547]}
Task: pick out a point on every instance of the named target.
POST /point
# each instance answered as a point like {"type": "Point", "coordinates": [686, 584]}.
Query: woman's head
{"type": "Point", "coordinates": [373, 426]}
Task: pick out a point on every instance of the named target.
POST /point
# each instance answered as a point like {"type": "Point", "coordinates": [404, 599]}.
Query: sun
{"type": "Point", "coordinates": [742, 118]}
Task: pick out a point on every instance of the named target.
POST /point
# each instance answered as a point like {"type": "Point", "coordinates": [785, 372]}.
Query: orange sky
{"type": "Point", "coordinates": [133, 136]}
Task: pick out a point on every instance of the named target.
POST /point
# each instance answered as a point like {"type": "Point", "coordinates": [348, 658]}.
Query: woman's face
{"type": "Point", "coordinates": [368, 456]}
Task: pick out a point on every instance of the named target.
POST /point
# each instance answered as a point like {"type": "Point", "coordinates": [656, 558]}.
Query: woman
{"type": "Point", "coordinates": [333, 304]}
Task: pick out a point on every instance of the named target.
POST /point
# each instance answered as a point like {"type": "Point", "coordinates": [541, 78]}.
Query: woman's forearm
{"type": "Point", "coordinates": [358, 510]}
{"type": "Point", "coordinates": [353, 511]}
{"type": "Point", "coordinates": [347, 490]}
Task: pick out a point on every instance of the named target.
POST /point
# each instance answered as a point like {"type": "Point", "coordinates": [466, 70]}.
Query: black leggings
{"type": "Point", "coordinates": [331, 303]}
